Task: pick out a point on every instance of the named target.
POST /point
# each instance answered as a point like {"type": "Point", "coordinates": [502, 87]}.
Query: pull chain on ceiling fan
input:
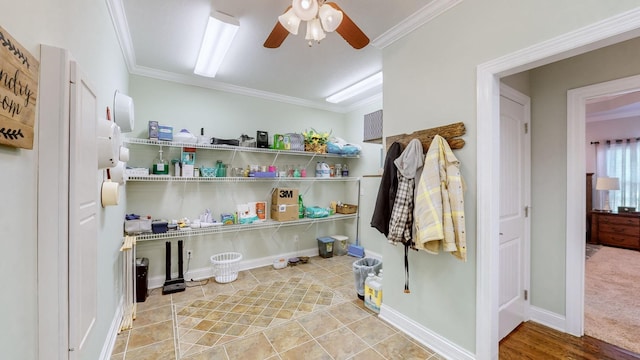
{"type": "Point", "coordinates": [321, 17]}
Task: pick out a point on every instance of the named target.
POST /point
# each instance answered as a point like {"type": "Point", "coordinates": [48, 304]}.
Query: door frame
{"type": "Point", "coordinates": [612, 30]}
{"type": "Point", "coordinates": [576, 188]}
{"type": "Point", "coordinates": [53, 204]}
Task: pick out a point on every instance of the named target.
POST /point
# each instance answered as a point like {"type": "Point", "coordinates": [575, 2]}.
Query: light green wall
{"type": "Point", "coordinates": [519, 82]}
{"type": "Point", "coordinates": [369, 164]}
{"type": "Point", "coordinates": [85, 29]}
{"type": "Point", "coordinates": [223, 115]}
{"type": "Point", "coordinates": [549, 86]}
{"type": "Point", "coordinates": [430, 80]}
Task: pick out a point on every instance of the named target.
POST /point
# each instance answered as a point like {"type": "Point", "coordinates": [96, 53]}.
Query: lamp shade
{"type": "Point", "coordinates": [330, 17]}
{"type": "Point", "coordinates": [607, 183]}
{"type": "Point", "coordinates": [305, 9]}
{"type": "Point", "coordinates": [290, 21]}
{"type": "Point", "coordinates": [314, 30]}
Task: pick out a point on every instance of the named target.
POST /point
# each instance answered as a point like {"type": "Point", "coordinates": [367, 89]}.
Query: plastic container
{"type": "Point", "coordinates": [160, 165]}
{"type": "Point", "coordinates": [373, 292]}
{"type": "Point", "coordinates": [280, 263]}
{"type": "Point", "coordinates": [361, 269]}
{"type": "Point", "coordinates": [340, 245]}
{"type": "Point", "coordinates": [322, 170]}
{"type": "Point", "coordinates": [325, 246]}
{"type": "Point", "coordinates": [225, 266]}
{"type": "Point", "coordinates": [301, 210]}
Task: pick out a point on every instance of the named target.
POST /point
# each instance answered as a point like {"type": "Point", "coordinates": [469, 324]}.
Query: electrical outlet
{"type": "Point", "coordinates": [189, 253]}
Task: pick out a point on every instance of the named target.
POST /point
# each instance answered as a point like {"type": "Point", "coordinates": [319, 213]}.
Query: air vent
{"type": "Point", "coordinates": [373, 127]}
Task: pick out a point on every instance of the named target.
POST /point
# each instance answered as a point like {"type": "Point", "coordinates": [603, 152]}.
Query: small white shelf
{"type": "Point", "coordinates": [167, 178]}
{"type": "Point", "coordinates": [234, 148]}
{"type": "Point", "coordinates": [219, 229]}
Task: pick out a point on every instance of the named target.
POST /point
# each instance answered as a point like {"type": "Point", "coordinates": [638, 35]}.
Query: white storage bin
{"type": "Point", "coordinates": [340, 244]}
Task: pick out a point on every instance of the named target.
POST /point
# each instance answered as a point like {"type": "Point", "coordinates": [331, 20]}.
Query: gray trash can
{"type": "Point", "coordinates": [362, 268]}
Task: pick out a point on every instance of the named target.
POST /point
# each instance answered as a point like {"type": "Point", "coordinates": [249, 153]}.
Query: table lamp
{"type": "Point", "coordinates": [605, 184]}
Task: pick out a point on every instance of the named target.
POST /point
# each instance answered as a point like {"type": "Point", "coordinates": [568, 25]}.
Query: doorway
{"type": "Point", "coordinates": [576, 123]}
{"type": "Point", "coordinates": [609, 31]}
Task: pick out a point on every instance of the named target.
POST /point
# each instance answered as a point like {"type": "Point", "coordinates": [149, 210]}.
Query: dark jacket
{"type": "Point", "coordinates": [387, 191]}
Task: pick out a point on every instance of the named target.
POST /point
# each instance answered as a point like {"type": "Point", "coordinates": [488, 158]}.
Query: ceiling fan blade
{"type": "Point", "coordinates": [349, 30]}
{"type": "Point", "coordinates": [277, 35]}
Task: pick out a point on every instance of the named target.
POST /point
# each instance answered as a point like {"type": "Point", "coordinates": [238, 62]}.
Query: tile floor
{"type": "Point", "coordinates": [308, 311]}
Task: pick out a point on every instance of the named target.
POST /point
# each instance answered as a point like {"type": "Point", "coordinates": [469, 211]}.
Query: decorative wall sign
{"type": "Point", "coordinates": [19, 72]}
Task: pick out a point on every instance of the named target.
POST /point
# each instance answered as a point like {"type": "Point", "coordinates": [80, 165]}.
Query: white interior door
{"type": "Point", "coordinates": [83, 212]}
{"type": "Point", "coordinates": [514, 210]}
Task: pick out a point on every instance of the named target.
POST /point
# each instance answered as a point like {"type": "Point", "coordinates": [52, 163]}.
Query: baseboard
{"type": "Point", "coordinates": [110, 340]}
{"type": "Point", "coordinates": [548, 318]}
{"type": "Point", "coordinates": [207, 272]}
{"type": "Point", "coordinates": [424, 336]}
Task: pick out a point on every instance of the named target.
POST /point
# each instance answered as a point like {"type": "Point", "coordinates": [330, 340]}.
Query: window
{"type": "Point", "coordinates": [619, 158]}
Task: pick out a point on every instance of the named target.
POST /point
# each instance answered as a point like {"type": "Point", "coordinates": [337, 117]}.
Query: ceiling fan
{"type": "Point", "coordinates": [321, 16]}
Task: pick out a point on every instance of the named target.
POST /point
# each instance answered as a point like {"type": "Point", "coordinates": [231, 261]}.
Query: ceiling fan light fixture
{"type": "Point", "coordinates": [356, 89]}
{"type": "Point", "coordinates": [290, 21]}
{"type": "Point", "coordinates": [330, 17]}
{"type": "Point", "coordinates": [305, 9]}
{"type": "Point", "coordinates": [218, 36]}
{"type": "Point", "coordinates": [314, 31]}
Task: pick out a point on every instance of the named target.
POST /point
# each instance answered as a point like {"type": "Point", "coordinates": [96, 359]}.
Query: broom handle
{"type": "Point", "coordinates": [358, 216]}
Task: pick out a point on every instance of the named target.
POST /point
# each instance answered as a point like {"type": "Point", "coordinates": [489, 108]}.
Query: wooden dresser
{"type": "Point", "coordinates": [616, 229]}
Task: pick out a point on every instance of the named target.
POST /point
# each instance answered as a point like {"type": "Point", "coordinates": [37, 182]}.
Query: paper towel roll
{"type": "Point", "coordinates": [124, 154]}
{"type": "Point", "coordinates": [110, 195]}
{"type": "Point", "coordinates": [117, 173]}
{"type": "Point", "coordinates": [108, 143]}
{"type": "Point", "coordinates": [123, 111]}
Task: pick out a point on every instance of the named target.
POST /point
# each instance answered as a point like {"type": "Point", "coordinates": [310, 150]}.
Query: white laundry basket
{"type": "Point", "coordinates": [225, 266]}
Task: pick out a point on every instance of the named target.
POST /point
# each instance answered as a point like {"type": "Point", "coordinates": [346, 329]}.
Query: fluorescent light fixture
{"type": "Point", "coordinates": [221, 29]}
{"type": "Point", "coordinates": [357, 88]}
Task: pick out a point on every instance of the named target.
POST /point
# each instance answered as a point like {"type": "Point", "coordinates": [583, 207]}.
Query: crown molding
{"type": "Point", "coordinates": [119, 18]}
{"type": "Point", "coordinates": [419, 18]}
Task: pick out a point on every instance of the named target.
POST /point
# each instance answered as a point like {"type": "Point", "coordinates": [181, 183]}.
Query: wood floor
{"type": "Point", "coordinates": [534, 341]}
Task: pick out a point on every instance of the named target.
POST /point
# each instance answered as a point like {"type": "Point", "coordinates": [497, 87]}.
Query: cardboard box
{"type": "Point", "coordinates": [284, 212]}
{"type": "Point", "coordinates": [284, 196]}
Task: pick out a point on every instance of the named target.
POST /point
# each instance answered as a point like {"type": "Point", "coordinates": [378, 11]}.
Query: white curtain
{"type": "Point", "coordinates": [620, 158]}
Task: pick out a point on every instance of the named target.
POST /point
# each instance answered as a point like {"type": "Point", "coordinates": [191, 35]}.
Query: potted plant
{"type": "Point", "coordinates": [315, 141]}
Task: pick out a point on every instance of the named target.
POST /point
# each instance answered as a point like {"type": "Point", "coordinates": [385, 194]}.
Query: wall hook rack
{"type": "Point", "coordinates": [450, 132]}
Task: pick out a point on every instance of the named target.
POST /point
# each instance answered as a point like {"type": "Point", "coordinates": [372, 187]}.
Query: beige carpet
{"type": "Point", "coordinates": [612, 297]}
